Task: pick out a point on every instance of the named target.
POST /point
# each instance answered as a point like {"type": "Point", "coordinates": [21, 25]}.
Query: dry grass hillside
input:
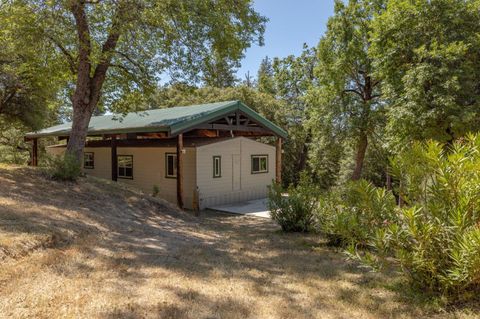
{"type": "Point", "coordinates": [97, 250]}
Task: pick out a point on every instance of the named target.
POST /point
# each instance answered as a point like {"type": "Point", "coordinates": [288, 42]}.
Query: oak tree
{"type": "Point", "coordinates": [347, 100]}
{"type": "Point", "coordinates": [428, 54]}
{"type": "Point", "coordinates": [116, 50]}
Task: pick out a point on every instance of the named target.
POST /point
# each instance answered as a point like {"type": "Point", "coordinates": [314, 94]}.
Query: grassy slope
{"type": "Point", "coordinates": [94, 249]}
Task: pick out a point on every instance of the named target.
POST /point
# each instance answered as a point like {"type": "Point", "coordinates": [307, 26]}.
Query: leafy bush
{"type": "Point", "coordinates": [294, 211]}
{"type": "Point", "coordinates": [155, 190]}
{"type": "Point", "coordinates": [434, 235]}
{"type": "Point", "coordinates": [436, 238]}
{"type": "Point", "coordinates": [65, 168]}
{"type": "Point", "coordinates": [350, 215]}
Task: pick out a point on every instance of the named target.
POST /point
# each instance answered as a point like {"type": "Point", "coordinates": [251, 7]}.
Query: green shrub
{"type": "Point", "coordinates": [155, 190]}
{"type": "Point", "coordinates": [293, 209]}
{"type": "Point", "coordinates": [350, 215]}
{"type": "Point", "coordinates": [64, 168]}
{"type": "Point", "coordinates": [434, 235]}
{"type": "Point", "coordinates": [436, 238]}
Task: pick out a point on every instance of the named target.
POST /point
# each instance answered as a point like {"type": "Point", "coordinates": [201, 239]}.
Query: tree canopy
{"type": "Point", "coordinates": [30, 78]}
{"type": "Point", "coordinates": [428, 55]}
{"type": "Point", "coordinates": [116, 51]}
{"type": "Point", "coordinates": [346, 104]}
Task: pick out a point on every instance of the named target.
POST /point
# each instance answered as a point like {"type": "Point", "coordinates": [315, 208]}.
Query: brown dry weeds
{"type": "Point", "coordinates": [97, 250]}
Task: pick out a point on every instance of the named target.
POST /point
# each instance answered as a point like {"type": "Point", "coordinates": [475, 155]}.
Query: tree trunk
{"type": "Point", "coordinates": [389, 179]}
{"type": "Point", "coordinates": [78, 135]}
{"type": "Point", "coordinates": [360, 157]}
{"type": "Point", "coordinates": [302, 163]}
{"type": "Point", "coordinates": [88, 88]}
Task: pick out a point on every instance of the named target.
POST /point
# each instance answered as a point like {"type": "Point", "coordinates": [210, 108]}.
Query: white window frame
{"type": "Point", "coordinates": [217, 159]}
{"type": "Point", "coordinates": [174, 155]}
{"type": "Point", "coordinates": [259, 157]}
{"type": "Point", "coordinates": [124, 166]}
{"type": "Point", "coordinates": [91, 159]}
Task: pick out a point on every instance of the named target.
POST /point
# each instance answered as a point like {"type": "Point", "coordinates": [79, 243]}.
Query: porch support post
{"type": "Point", "coordinates": [113, 148]}
{"type": "Point", "coordinates": [180, 170]}
{"type": "Point", "coordinates": [278, 160]}
{"type": "Point", "coordinates": [34, 160]}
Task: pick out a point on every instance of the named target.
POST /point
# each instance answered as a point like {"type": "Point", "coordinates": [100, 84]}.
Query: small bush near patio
{"type": "Point", "coordinates": [293, 209]}
{"type": "Point", "coordinates": [350, 215]}
{"type": "Point", "coordinates": [64, 168]}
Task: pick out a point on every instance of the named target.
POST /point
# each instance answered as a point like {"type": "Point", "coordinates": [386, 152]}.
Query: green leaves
{"type": "Point", "coordinates": [356, 213]}
{"type": "Point", "coordinates": [156, 38]}
{"type": "Point", "coordinates": [434, 236]}
{"type": "Point", "coordinates": [437, 240]}
{"type": "Point", "coordinates": [347, 100]}
{"type": "Point", "coordinates": [294, 209]}
{"type": "Point", "coordinates": [427, 53]}
{"type": "Point", "coordinates": [29, 77]}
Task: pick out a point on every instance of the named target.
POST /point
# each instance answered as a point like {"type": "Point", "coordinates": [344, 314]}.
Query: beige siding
{"type": "Point", "coordinates": [216, 191]}
{"type": "Point", "coordinates": [148, 169]}
{"type": "Point", "coordinates": [102, 166]}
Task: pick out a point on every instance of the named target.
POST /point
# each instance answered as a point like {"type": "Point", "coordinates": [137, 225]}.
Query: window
{"type": "Point", "coordinates": [259, 164]}
{"type": "Point", "coordinates": [217, 166]}
{"type": "Point", "coordinates": [125, 166]}
{"type": "Point", "coordinates": [88, 161]}
{"type": "Point", "coordinates": [170, 165]}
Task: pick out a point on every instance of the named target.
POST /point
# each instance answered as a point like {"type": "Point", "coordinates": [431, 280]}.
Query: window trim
{"type": "Point", "coordinates": [166, 165]}
{"type": "Point", "coordinates": [118, 167]}
{"type": "Point", "coordinates": [93, 160]}
{"type": "Point", "coordinates": [251, 163]}
{"type": "Point", "coordinates": [215, 157]}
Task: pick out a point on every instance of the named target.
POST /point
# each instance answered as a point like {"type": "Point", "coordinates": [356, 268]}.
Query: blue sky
{"type": "Point", "coordinates": [292, 23]}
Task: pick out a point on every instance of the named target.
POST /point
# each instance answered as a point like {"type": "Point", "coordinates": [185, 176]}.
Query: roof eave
{"type": "Point", "coordinates": [101, 132]}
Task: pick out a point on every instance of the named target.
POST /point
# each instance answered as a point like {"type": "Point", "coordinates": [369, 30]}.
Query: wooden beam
{"type": "Point", "coordinates": [153, 135]}
{"type": "Point", "coordinates": [180, 170]}
{"type": "Point", "coordinates": [202, 133]}
{"type": "Point", "coordinates": [113, 148]}
{"type": "Point", "coordinates": [240, 128]}
{"type": "Point", "coordinates": [34, 160]}
{"type": "Point", "coordinates": [278, 160]}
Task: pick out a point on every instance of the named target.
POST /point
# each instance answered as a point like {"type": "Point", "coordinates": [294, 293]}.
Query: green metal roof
{"type": "Point", "coordinates": [174, 120]}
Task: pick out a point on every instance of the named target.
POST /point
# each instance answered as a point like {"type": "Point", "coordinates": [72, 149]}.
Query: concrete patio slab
{"type": "Point", "coordinates": [256, 207]}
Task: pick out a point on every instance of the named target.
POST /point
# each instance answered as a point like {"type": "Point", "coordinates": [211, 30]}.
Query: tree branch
{"type": "Point", "coordinates": [129, 59]}
{"type": "Point", "coordinates": [121, 67]}
{"type": "Point", "coordinates": [108, 48]}
{"type": "Point", "coordinates": [68, 55]}
{"type": "Point", "coordinates": [353, 91]}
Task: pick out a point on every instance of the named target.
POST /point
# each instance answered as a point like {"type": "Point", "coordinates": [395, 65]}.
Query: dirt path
{"type": "Point", "coordinates": [94, 250]}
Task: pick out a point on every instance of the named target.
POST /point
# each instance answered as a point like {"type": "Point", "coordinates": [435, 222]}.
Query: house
{"type": "Point", "coordinates": [196, 156]}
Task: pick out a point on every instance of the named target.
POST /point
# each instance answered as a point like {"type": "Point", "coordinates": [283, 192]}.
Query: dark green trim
{"type": "Point", "coordinates": [262, 121]}
{"type": "Point", "coordinates": [219, 166]}
{"type": "Point", "coordinates": [227, 109]}
{"type": "Point", "coordinates": [118, 167]}
{"type": "Point", "coordinates": [93, 160]}
{"type": "Point", "coordinates": [174, 126]}
{"type": "Point", "coordinates": [209, 116]}
{"type": "Point", "coordinates": [141, 129]}
{"type": "Point", "coordinates": [251, 163]}
{"type": "Point", "coordinates": [166, 165]}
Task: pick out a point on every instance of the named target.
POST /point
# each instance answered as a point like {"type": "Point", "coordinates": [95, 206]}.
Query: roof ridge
{"type": "Point", "coordinates": [163, 108]}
